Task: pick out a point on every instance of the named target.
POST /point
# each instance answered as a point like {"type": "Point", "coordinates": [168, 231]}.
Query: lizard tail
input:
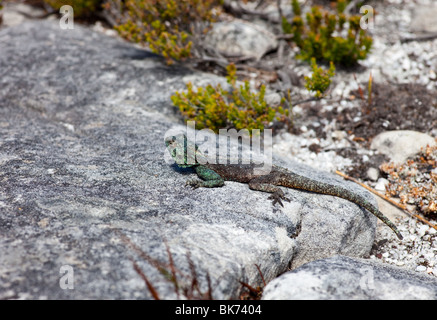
{"type": "Point", "coordinates": [325, 188]}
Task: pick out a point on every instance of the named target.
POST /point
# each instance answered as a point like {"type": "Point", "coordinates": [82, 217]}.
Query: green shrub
{"type": "Point", "coordinates": [169, 27]}
{"type": "Point", "coordinates": [316, 35]}
{"type": "Point", "coordinates": [81, 7]}
{"type": "Point", "coordinates": [320, 79]}
{"type": "Point", "coordinates": [215, 108]}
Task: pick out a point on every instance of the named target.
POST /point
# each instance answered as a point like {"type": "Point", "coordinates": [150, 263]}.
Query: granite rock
{"type": "Point", "coordinates": [345, 278]}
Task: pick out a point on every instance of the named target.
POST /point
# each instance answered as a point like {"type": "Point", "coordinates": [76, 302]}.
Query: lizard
{"type": "Point", "coordinates": [186, 154]}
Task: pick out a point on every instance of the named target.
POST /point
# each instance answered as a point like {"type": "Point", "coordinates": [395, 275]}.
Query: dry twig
{"type": "Point", "coordinates": [401, 206]}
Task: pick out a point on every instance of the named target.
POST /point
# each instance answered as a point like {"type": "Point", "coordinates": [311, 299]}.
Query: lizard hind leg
{"type": "Point", "coordinates": [277, 195]}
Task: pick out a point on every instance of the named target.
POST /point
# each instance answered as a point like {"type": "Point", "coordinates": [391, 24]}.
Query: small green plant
{"type": "Point", "coordinates": [81, 8]}
{"type": "Point", "coordinates": [169, 27]}
{"type": "Point", "coordinates": [215, 108]}
{"type": "Point", "coordinates": [323, 35]}
{"type": "Point", "coordinates": [320, 79]}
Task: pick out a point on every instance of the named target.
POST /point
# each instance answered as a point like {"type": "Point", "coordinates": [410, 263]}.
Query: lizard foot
{"type": "Point", "coordinates": [194, 183]}
{"type": "Point", "coordinates": [277, 196]}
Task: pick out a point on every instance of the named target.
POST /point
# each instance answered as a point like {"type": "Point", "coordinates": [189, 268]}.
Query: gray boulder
{"type": "Point", "coordinates": [423, 19]}
{"type": "Point", "coordinates": [400, 145]}
{"type": "Point", "coordinates": [239, 38]}
{"type": "Point", "coordinates": [345, 278]}
{"type": "Point", "coordinates": [89, 206]}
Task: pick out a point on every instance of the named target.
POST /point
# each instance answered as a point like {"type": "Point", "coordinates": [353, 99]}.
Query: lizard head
{"type": "Point", "coordinates": [182, 151]}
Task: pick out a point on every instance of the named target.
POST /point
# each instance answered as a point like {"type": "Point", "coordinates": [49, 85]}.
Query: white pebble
{"type": "Point", "coordinates": [406, 64]}
{"type": "Point", "coordinates": [380, 185]}
{"type": "Point", "coordinates": [373, 173]}
{"type": "Point", "coordinates": [422, 230]}
{"type": "Point", "coordinates": [420, 268]}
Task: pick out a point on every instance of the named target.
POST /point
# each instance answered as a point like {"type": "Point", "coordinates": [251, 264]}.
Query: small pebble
{"type": "Point", "coordinates": [373, 174]}
{"type": "Point", "coordinates": [420, 268]}
{"type": "Point", "coordinates": [380, 185]}
{"type": "Point", "coordinates": [422, 230]}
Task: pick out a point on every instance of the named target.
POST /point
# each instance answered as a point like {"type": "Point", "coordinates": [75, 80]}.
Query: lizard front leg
{"type": "Point", "coordinates": [276, 193]}
{"type": "Point", "coordinates": [211, 179]}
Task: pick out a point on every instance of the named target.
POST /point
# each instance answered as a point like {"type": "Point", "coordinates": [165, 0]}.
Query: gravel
{"type": "Point", "coordinates": [418, 250]}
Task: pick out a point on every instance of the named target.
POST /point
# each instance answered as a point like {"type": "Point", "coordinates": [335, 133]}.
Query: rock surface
{"type": "Point", "coordinates": [424, 19]}
{"type": "Point", "coordinates": [399, 145]}
{"type": "Point", "coordinates": [13, 14]}
{"type": "Point", "coordinates": [344, 278]}
{"type": "Point", "coordinates": [82, 168]}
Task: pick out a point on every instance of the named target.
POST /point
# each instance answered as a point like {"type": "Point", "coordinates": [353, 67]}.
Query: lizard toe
{"type": "Point", "coordinates": [193, 184]}
{"type": "Point", "coordinates": [277, 196]}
